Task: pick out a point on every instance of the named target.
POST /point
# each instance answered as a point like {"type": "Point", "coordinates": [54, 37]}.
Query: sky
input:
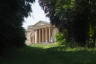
{"type": "Point", "coordinates": [36, 15]}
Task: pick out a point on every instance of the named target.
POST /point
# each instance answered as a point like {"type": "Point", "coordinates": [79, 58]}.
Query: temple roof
{"type": "Point", "coordinates": [39, 24]}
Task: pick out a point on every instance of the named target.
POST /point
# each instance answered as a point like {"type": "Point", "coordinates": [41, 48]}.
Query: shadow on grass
{"type": "Point", "coordinates": [54, 55]}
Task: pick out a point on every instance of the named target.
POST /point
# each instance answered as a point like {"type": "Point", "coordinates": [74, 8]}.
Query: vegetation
{"type": "Point", "coordinates": [75, 20]}
{"type": "Point", "coordinates": [12, 13]}
{"type": "Point", "coordinates": [45, 46]}
{"type": "Point", "coordinates": [60, 38]}
{"type": "Point", "coordinates": [51, 55]}
{"type": "Point", "coordinates": [76, 16]}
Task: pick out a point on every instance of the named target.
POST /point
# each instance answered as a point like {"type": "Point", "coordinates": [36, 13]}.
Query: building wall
{"type": "Point", "coordinates": [41, 34]}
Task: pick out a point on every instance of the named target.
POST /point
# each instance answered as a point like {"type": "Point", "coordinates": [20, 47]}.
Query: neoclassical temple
{"type": "Point", "coordinates": [41, 32]}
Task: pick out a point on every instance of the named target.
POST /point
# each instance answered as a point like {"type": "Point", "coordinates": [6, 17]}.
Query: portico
{"type": "Point", "coordinates": [41, 32]}
{"type": "Point", "coordinates": [43, 35]}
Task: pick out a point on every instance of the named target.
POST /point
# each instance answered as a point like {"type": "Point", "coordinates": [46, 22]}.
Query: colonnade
{"type": "Point", "coordinates": [42, 35]}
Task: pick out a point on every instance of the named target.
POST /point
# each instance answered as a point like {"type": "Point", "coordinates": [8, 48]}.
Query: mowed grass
{"type": "Point", "coordinates": [45, 46]}
{"type": "Point", "coordinates": [49, 54]}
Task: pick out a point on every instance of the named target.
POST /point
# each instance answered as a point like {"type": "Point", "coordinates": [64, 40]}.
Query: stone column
{"type": "Point", "coordinates": [42, 35]}
{"type": "Point", "coordinates": [39, 36]}
{"type": "Point", "coordinates": [51, 37]}
{"type": "Point", "coordinates": [46, 37]}
{"type": "Point", "coordinates": [35, 36]}
{"type": "Point", "coordinates": [49, 34]}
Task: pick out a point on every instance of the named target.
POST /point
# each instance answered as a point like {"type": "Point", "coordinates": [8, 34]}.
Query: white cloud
{"type": "Point", "coordinates": [36, 15]}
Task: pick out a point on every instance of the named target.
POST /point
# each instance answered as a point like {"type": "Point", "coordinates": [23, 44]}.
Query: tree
{"type": "Point", "coordinates": [77, 16]}
{"type": "Point", "coordinates": [12, 13]}
{"type": "Point", "coordinates": [61, 14]}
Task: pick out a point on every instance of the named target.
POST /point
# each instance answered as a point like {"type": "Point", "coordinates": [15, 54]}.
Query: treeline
{"type": "Point", "coordinates": [76, 19]}
{"type": "Point", "coordinates": [12, 13]}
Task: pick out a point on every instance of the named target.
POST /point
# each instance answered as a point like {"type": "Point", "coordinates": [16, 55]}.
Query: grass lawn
{"type": "Point", "coordinates": [49, 54]}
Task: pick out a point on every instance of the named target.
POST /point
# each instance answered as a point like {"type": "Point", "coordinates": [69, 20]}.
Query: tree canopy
{"type": "Point", "coordinates": [12, 13]}
{"type": "Point", "coordinates": [77, 16]}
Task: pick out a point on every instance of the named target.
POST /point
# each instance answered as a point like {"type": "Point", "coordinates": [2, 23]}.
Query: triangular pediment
{"type": "Point", "coordinates": [41, 23]}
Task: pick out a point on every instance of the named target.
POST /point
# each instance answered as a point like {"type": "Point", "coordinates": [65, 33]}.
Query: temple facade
{"type": "Point", "coordinates": [41, 32]}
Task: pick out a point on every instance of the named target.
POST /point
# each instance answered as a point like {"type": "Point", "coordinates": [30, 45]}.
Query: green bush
{"type": "Point", "coordinates": [60, 38]}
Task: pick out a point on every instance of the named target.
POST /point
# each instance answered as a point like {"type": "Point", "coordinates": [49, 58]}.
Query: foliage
{"type": "Point", "coordinates": [55, 55]}
{"type": "Point", "coordinates": [60, 38]}
{"type": "Point", "coordinates": [61, 14]}
{"type": "Point", "coordinates": [74, 15]}
{"type": "Point", "coordinates": [45, 46]}
{"type": "Point", "coordinates": [12, 13]}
